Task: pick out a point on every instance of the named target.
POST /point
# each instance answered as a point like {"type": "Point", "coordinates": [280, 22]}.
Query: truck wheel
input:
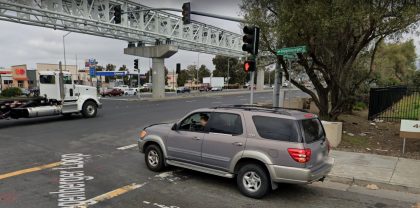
{"type": "Point", "coordinates": [252, 181]}
{"type": "Point", "coordinates": [89, 109]}
{"type": "Point", "coordinates": [154, 158]}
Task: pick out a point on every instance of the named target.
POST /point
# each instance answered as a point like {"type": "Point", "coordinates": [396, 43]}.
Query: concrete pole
{"type": "Point", "coordinates": [252, 88]}
{"type": "Point", "coordinates": [158, 78]}
{"type": "Point", "coordinates": [260, 79]}
{"type": "Point", "coordinates": [228, 74]}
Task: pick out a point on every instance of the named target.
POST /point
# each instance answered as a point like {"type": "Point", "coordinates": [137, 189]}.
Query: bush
{"type": "Point", "coordinates": [359, 106]}
{"type": "Point", "coordinates": [11, 92]}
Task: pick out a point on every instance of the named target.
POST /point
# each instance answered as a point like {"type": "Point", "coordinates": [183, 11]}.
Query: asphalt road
{"type": "Point", "coordinates": [31, 148]}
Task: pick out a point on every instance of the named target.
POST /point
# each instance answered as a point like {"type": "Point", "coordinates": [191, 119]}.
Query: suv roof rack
{"type": "Point", "coordinates": [250, 107]}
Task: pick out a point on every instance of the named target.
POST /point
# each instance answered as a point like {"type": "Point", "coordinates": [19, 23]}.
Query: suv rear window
{"type": "Point", "coordinates": [276, 128]}
{"type": "Point", "coordinates": [313, 130]}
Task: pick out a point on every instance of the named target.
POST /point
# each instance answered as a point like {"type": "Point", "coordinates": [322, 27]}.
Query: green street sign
{"type": "Point", "coordinates": [290, 57]}
{"type": "Point", "coordinates": [291, 51]}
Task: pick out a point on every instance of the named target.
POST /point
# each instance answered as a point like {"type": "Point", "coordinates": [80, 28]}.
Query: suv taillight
{"type": "Point", "coordinates": [300, 155]}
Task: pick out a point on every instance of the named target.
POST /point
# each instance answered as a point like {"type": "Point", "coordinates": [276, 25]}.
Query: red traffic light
{"type": "Point", "coordinates": [249, 66]}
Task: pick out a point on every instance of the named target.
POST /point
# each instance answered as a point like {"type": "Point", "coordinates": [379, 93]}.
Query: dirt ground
{"type": "Point", "coordinates": [362, 135]}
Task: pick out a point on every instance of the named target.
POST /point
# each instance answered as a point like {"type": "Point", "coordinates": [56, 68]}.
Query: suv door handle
{"type": "Point", "coordinates": [196, 138]}
{"type": "Point", "coordinates": [238, 143]}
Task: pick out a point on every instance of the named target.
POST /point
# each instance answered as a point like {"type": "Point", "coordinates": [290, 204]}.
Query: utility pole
{"type": "Point", "coordinates": [227, 83]}
{"type": "Point", "coordinates": [138, 83]}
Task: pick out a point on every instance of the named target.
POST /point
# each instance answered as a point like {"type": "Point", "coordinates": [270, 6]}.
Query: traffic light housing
{"type": "Point", "coordinates": [251, 39]}
{"type": "Point", "coordinates": [136, 63]}
{"type": "Point", "coordinates": [249, 66]}
{"type": "Point", "coordinates": [178, 68]}
{"type": "Point", "coordinates": [117, 14]}
{"type": "Point", "coordinates": [186, 13]}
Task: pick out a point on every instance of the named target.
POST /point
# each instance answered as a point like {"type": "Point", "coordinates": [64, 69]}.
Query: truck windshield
{"type": "Point", "coordinates": [47, 79]}
{"type": "Point", "coordinates": [312, 129]}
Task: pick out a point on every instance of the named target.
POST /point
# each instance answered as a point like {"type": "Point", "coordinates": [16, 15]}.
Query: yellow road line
{"type": "Point", "coordinates": [29, 170]}
{"type": "Point", "coordinates": [111, 194]}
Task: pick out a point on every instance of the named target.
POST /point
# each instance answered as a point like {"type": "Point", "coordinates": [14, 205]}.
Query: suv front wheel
{"type": "Point", "coordinates": [154, 158]}
{"type": "Point", "coordinates": [252, 181]}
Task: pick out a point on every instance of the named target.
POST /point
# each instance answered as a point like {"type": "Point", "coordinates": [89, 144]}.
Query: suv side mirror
{"type": "Point", "coordinates": [175, 126]}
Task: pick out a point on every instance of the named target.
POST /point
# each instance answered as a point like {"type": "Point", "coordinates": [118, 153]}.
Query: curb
{"type": "Point", "coordinates": [189, 96]}
{"type": "Point", "coordinates": [381, 185]}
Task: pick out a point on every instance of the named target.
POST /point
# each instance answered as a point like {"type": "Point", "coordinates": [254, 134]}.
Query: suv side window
{"type": "Point", "coordinates": [276, 128]}
{"type": "Point", "coordinates": [195, 122]}
{"type": "Point", "coordinates": [226, 123]}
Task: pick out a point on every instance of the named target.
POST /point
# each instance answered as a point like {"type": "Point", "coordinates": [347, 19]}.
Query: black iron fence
{"type": "Point", "coordinates": [394, 103]}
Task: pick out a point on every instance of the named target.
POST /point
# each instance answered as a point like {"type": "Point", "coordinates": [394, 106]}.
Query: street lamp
{"type": "Point", "coordinates": [64, 47]}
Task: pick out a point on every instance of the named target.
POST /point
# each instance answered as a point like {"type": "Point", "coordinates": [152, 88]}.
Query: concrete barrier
{"type": "Point", "coordinates": [334, 131]}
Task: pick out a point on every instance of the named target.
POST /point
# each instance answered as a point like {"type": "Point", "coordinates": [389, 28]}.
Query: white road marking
{"type": "Point", "coordinates": [127, 147]}
{"type": "Point", "coordinates": [190, 101]}
{"type": "Point", "coordinates": [216, 102]}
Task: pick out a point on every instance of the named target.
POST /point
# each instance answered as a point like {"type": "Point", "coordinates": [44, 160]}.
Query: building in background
{"type": "Point", "coordinates": [172, 80]}
{"type": "Point", "coordinates": [15, 76]}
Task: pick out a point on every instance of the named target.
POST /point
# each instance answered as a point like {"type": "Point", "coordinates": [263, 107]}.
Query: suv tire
{"type": "Point", "coordinates": [252, 181]}
{"type": "Point", "coordinates": [154, 158]}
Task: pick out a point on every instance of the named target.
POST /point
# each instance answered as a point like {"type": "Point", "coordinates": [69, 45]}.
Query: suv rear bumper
{"type": "Point", "coordinates": [300, 175]}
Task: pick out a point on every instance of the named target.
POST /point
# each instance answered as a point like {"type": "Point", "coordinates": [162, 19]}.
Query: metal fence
{"type": "Point", "coordinates": [394, 103]}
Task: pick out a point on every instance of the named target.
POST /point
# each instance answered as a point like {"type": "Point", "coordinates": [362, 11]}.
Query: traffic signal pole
{"type": "Point", "coordinates": [251, 99]}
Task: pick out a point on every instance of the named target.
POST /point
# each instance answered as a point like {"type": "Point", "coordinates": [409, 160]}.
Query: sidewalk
{"type": "Point", "coordinates": [386, 172]}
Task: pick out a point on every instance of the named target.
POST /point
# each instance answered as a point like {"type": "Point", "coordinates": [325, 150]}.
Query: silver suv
{"type": "Point", "coordinates": [259, 146]}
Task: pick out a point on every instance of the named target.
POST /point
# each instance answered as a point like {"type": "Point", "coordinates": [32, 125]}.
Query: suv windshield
{"type": "Point", "coordinates": [312, 129]}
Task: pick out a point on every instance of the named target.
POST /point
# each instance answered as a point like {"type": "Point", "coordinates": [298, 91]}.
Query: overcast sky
{"type": "Point", "coordinates": [23, 44]}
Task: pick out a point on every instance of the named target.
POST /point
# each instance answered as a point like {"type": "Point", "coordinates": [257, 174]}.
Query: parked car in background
{"type": "Point", "coordinates": [130, 91]}
{"type": "Point", "coordinates": [111, 92]}
{"type": "Point", "coordinates": [205, 87]}
{"type": "Point", "coordinates": [258, 146]}
{"type": "Point", "coordinates": [285, 84]}
{"type": "Point", "coordinates": [213, 89]}
{"type": "Point", "coordinates": [25, 92]}
{"type": "Point", "coordinates": [122, 87]}
{"type": "Point", "coordinates": [183, 90]}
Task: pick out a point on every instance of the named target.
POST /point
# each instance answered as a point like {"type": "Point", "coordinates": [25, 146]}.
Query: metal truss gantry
{"type": "Point", "coordinates": [95, 17]}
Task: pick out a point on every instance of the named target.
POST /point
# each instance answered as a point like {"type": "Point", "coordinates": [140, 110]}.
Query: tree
{"type": "Point", "coordinates": [99, 68]}
{"type": "Point", "coordinates": [416, 79]}
{"type": "Point", "coordinates": [236, 71]}
{"type": "Point", "coordinates": [336, 33]}
{"type": "Point", "coordinates": [395, 63]}
{"type": "Point", "coordinates": [110, 67]}
{"type": "Point", "coordinates": [203, 71]}
{"type": "Point", "coordinates": [182, 78]}
{"type": "Point", "coordinates": [192, 72]}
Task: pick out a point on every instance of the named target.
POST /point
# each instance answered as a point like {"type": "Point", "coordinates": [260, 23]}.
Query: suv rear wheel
{"type": "Point", "coordinates": [154, 158]}
{"type": "Point", "coordinates": [252, 181]}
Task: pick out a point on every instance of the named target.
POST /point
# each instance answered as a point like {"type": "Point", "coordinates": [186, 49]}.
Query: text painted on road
{"type": "Point", "coordinates": [71, 190]}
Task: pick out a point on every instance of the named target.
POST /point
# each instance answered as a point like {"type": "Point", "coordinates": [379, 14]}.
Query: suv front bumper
{"type": "Point", "coordinates": [282, 174]}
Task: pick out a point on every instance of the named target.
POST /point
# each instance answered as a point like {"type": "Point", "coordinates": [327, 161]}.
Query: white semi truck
{"type": "Point", "coordinates": [57, 96]}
